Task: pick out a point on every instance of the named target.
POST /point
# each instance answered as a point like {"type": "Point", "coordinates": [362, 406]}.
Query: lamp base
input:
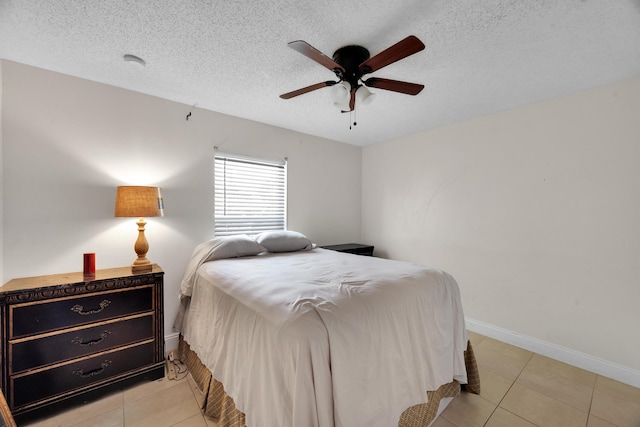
{"type": "Point", "coordinates": [142, 264]}
{"type": "Point", "coordinates": [141, 268]}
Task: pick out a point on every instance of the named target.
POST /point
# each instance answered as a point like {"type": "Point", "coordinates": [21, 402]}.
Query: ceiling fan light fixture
{"type": "Point", "coordinates": [341, 92]}
{"type": "Point", "coordinates": [364, 96]}
{"type": "Point", "coordinates": [342, 106]}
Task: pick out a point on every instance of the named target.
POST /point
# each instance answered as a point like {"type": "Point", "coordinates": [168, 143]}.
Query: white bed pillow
{"type": "Point", "coordinates": [232, 247]}
{"type": "Point", "coordinates": [217, 248]}
{"type": "Point", "coordinates": [284, 241]}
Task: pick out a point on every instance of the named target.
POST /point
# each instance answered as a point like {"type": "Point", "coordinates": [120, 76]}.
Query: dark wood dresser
{"type": "Point", "coordinates": [65, 340]}
{"type": "Point", "coordinates": [352, 248]}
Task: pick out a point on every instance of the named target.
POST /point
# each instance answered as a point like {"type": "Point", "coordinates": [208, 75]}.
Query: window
{"type": "Point", "coordinates": [250, 195]}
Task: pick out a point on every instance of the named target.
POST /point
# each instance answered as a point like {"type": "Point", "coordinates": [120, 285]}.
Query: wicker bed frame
{"type": "Point", "coordinates": [215, 403]}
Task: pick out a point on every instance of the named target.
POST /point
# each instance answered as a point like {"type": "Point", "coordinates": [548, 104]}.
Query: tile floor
{"type": "Point", "coordinates": [519, 388]}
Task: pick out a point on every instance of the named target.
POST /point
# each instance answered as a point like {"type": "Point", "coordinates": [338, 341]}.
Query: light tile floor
{"type": "Point", "coordinates": [519, 388]}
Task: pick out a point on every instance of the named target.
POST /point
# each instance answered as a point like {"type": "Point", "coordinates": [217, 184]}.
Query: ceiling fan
{"type": "Point", "coordinates": [351, 63]}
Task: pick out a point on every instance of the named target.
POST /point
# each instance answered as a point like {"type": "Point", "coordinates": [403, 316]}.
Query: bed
{"type": "Point", "coordinates": [276, 332]}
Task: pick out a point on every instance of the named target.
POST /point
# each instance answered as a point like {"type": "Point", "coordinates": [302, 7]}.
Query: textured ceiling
{"type": "Point", "coordinates": [481, 56]}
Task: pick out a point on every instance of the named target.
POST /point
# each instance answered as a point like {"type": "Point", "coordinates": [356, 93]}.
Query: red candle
{"type": "Point", "coordinates": [89, 266]}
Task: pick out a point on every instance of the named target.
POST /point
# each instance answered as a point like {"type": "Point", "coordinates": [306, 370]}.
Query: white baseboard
{"type": "Point", "coordinates": [575, 358]}
{"type": "Point", "coordinates": [171, 341]}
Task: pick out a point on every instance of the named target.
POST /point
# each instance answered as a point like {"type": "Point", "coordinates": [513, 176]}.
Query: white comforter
{"type": "Point", "coordinates": [323, 338]}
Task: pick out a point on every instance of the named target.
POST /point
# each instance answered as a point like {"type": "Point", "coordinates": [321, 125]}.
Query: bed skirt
{"type": "Point", "coordinates": [215, 403]}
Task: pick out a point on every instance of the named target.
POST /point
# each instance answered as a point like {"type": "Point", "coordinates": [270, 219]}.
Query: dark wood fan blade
{"type": "Point", "coordinates": [398, 51]}
{"type": "Point", "coordinates": [311, 52]}
{"type": "Point", "coordinates": [394, 85]}
{"type": "Point", "coordinates": [352, 102]}
{"type": "Point", "coordinates": [307, 89]}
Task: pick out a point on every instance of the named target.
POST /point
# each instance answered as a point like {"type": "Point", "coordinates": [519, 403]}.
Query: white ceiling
{"type": "Point", "coordinates": [229, 56]}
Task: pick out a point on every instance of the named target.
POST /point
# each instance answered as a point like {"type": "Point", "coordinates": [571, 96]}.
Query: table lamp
{"type": "Point", "coordinates": [138, 201]}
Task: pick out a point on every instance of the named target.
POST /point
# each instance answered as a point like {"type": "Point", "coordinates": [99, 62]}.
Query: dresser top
{"type": "Point", "coordinates": [347, 247]}
{"type": "Point", "coordinates": [35, 282]}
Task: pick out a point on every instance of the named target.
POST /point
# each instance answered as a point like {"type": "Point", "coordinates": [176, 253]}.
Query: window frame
{"type": "Point", "coordinates": [249, 178]}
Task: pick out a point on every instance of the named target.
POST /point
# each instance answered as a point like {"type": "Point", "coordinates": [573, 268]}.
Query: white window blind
{"type": "Point", "coordinates": [250, 195]}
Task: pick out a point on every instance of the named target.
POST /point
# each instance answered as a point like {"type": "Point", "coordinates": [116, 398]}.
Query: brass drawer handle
{"type": "Point", "coordinates": [80, 309]}
{"type": "Point", "coordinates": [93, 372]}
{"type": "Point", "coordinates": [78, 340]}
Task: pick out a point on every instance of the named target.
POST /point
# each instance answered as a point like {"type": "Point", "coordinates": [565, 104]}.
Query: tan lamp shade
{"type": "Point", "coordinates": [136, 201]}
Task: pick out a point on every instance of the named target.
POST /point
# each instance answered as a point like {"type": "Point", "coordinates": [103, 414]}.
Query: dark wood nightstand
{"type": "Point", "coordinates": [352, 248]}
{"type": "Point", "coordinates": [65, 339]}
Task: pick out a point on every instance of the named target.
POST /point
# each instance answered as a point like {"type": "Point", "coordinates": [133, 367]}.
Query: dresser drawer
{"type": "Point", "coordinates": [34, 387]}
{"type": "Point", "coordinates": [40, 317]}
{"type": "Point", "coordinates": [33, 353]}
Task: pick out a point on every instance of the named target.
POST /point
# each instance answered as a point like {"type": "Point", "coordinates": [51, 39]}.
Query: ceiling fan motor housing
{"type": "Point", "coordinates": [350, 57]}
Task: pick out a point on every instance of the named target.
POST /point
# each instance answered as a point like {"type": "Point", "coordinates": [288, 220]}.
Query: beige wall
{"type": "Point", "coordinates": [1, 181]}
{"type": "Point", "coordinates": [69, 142]}
{"type": "Point", "coordinates": [535, 211]}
